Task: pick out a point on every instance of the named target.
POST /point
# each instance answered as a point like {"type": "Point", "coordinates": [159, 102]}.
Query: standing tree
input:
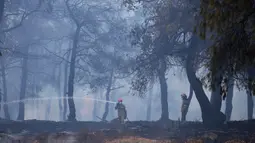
{"type": "Point", "coordinates": [1, 9]}
{"type": "Point", "coordinates": [85, 41]}
{"type": "Point", "coordinates": [230, 94]}
{"type": "Point", "coordinates": [167, 18]}
{"type": "Point", "coordinates": [4, 91]}
{"type": "Point", "coordinates": [149, 104]}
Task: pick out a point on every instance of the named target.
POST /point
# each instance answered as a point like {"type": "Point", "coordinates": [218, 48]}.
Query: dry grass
{"type": "Point", "coordinates": [100, 137]}
{"type": "Point", "coordinates": [137, 140]}
{"type": "Point", "coordinates": [144, 140]}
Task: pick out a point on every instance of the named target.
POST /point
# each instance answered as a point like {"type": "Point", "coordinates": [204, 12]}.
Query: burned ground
{"type": "Point", "coordinates": [137, 131]}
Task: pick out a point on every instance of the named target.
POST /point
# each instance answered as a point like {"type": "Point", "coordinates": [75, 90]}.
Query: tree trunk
{"type": "Point", "coordinates": [163, 89]}
{"type": "Point", "coordinates": [72, 114]}
{"type": "Point", "coordinates": [249, 104]}
{"type": "Point", "coordinates": [65, 87]}
{"type": "Point", "coordinates": [59, 94]}
{"type": "Point", "coordinates": [95, 108]}
{"type": "Point", "coordinates": [1, 9]}
{"type": "Point", "coordinates": [94, 114]}
{"type": "Point", "coordinates": [211, 118]}
{"type": "Point", "coordinates": [189, 98]}
{"type": "Point", "coordinates": [48, 109]}
{"type": "Point", "coordinates": [216, 98]}
{"type": "Point", "coordinates": [230, 93]}
{"type": "Point", "coordinates": [112, 107]}
{"type": "Point", "coordinates": [107, 96]}
{"type": "Point", "coordinates": [5, 106]}
{"type": "Point", "coordinates": [23, 85]}
{"type": "Point", "coordinates": [148, 115]}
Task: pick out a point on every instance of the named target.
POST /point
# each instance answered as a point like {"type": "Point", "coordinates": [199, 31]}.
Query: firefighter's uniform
{"type": "Point", "coordinates": [184, 107]}
{"type": "Point", "coordinates": [122, 113]}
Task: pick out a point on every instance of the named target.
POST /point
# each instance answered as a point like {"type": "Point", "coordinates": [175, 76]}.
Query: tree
{"type": "Point", "coordinates": [87, 27]}
{"type": "Point", "coordinates": [1, 9]}
{"type": "Point", "coordinates": [149, 104]}
{"type": "Point", "coordinates": [250, 103]}
{"type": "Point", "coordinates": [231, 28]}
{"type": "Point", "coordinates": [191, 56]}
{"type": "Point", "coordinates": [157, 40]}
{"type": "Point", "coordinates": [105, 58]}
{"type": "Point", "coordinates": [4, 93]}
{"type": "Point", "coordinates": [211, 114]}
{"type": "Point", "coordinates": [79, 24]}
{"type": "Point", "coordinates": [229, 97]}
{"type": "Point", "coordinates": [16, 45]}
{"type": "Point", "coordinates": [23, 85]}
{"type": "Point", "coordinates": [66, 65]}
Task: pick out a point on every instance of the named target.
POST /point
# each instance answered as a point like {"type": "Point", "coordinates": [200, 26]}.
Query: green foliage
{"type": "Point", "coordinates": [159, 39]}
{"type": "Point", "coordinates": [230, 25]}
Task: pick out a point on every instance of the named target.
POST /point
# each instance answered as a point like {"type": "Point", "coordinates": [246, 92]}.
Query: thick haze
{"type": "Point", "coordinates": [137, 106]}
{"type": "Point", "coordinates": [50, 28]}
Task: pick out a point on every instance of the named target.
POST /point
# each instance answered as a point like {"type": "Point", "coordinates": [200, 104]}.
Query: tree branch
{"type": "Point", "coordinates": [24, 16]}
{"type": "Point", "coordinates": [114, 88]}
{"type": "Point", "coordinates": [71, 13]}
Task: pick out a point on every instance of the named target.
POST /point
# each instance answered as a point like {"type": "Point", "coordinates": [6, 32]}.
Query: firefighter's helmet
{"type": "Point", "coordinates": [183, 95]}
{"type": "Point", "coordinates": [119, 100]}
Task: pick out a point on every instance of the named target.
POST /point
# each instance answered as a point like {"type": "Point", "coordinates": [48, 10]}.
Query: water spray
{"type": "Point", "coordinates": [57, 98]}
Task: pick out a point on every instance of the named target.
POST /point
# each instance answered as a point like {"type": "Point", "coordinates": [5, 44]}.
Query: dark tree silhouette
{"type": "Point", "coordinates": [1, 9]}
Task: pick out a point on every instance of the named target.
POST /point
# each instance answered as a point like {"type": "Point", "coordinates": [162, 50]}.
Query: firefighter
{"type": "Point", "coordinates": [122, 113]}
{"type": "Point", "coordinates": [184, 107]}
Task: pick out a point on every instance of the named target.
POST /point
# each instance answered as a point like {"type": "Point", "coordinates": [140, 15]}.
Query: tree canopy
{"type": "Point", "coordinates": [226, 26]}
{"type": "Point", "coordinates": [230, 27]}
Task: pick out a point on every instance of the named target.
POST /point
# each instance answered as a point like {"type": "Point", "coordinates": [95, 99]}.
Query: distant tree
{"type": "Point", "coordinates": [149, 104]}
{"type": "Point", "coordinates": [1, 9]}
{"type": "Point", "coordinates": [4, 91]}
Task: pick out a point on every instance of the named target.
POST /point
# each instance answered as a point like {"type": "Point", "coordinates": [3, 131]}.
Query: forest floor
{"type": "Point", "coordinates": [35, 131]}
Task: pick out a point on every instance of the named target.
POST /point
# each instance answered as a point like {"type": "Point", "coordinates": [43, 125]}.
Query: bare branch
{"type": "Point", "coordinates": [71, 13]}
{"type": "Point", "coordinates": [114, 88]}
{"type": "Point", "coordinates": [63, 59]}
{"type": "Point", "coordinates": [24, 16]}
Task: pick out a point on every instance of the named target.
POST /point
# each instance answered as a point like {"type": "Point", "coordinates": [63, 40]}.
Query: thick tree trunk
{"type": "Point", "coordinates": [107, 95]}
{"type": "Point", "coordinates": [249, 104]}
{"type": "Point", "coordinates": [163, 89]}
{"type": "Point", "coordinates": [23, 85]}
{"type": "Point", "coordinates": [149, 104]}
{"type": "Point", "coordinates": [230, 93]}
{"type": "Point", "coordinates": [5, 106]}
{"type": "Point", "coordinates": [211, 117]}
{"type": "Point", "coordinates": [190, 93]}
{"type": "Point", "coordinates": [184, 114]}
{"type": "Point", "coordinates": [72, 114]}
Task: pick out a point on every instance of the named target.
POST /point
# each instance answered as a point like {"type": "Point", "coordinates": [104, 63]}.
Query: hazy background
{"type": "Point", "coordinates": [136, 106]}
